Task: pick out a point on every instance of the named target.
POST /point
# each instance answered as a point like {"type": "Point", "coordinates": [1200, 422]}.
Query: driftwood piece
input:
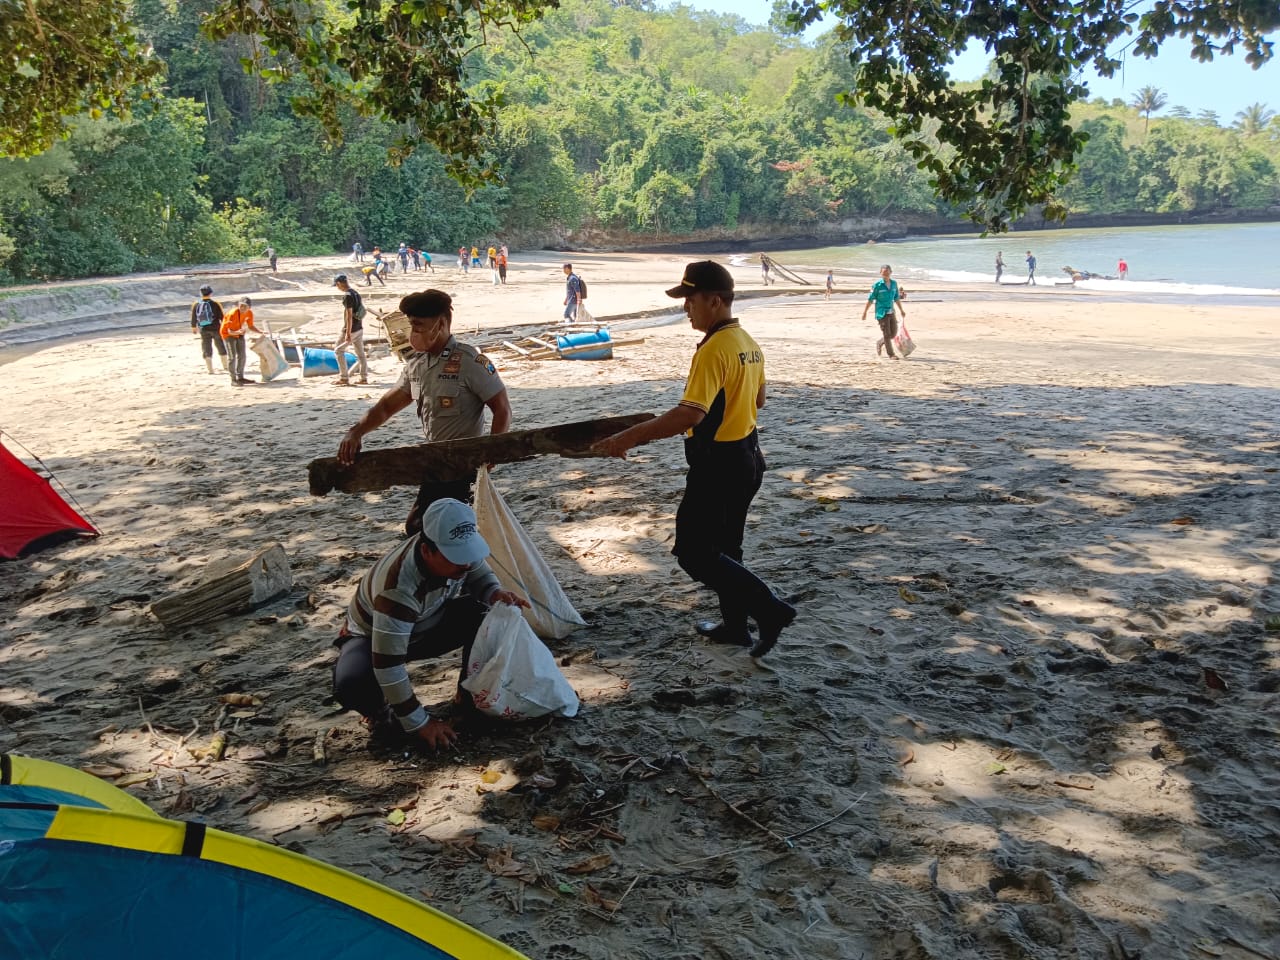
{"type": "Point", "coordinates": [229, 587]}
{"type": "Point", "coordinates": [456, 459]}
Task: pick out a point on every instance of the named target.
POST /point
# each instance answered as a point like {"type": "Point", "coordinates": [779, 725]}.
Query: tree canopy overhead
{"type": "Point", "coordinates": [61, 58]}
{"type": "Point", "coordinates": [1005, 142]}
{"type": "Point", "coordinates": [438, 69]}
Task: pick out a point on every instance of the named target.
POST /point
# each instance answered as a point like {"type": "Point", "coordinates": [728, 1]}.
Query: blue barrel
{"type": "Point", "coordinates": [578, 346]}
{"type": "Point", "coordinates": [317, 362]}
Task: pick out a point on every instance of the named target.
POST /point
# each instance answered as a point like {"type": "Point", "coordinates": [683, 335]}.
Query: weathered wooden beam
{"type": "Point", "coordinates": [229, 587]}
{"type": "Point", "coordinates": [456, 459]}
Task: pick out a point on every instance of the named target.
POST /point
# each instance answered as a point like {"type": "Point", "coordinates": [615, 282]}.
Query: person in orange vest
{"type": "Point", "coordinates": [232, 329]}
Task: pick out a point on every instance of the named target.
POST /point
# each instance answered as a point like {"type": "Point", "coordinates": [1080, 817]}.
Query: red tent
{"type": "Point", "coordinates": [32, 514]}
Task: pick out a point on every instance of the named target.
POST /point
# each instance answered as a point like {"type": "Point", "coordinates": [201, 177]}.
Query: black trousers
{"type": "Point", "coordinates": [723, 479]}
{"type": "Point", "coordinates": [430, 492]}
{"type": "Point", "coordinates": [210, 340]}
{"type": "Point", "coordinates": [354, 683]}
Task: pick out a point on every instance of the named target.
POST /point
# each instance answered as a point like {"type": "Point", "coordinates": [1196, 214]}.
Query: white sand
{"type": "Point", "coordinates": [1016, 554]}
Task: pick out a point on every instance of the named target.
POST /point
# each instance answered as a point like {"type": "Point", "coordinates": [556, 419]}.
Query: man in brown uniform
{"type": "Point", "coordinates": [452, 383]}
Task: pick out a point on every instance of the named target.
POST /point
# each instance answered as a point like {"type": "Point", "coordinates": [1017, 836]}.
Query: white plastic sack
{"type": "Point", "coordinates": [520, 567]}
{"type": "Point", "coordinates": [270, 363]}
{"type": "Point", "coordinates": [512, 674]}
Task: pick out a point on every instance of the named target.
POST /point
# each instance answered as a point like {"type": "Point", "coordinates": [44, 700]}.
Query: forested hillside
{"type": "Point", "coordinates": [620, 125]}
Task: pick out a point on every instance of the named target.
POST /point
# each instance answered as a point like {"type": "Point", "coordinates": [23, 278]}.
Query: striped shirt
{"type": "Point", "coordinates": [398, 600]}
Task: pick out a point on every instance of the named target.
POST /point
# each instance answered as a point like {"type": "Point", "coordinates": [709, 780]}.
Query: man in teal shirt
{"type": "Point", "coordinates": [885, 295]}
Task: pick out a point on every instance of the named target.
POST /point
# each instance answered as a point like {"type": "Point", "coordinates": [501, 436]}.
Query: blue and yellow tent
{"type": "Point", "coordinates": [86, 870]}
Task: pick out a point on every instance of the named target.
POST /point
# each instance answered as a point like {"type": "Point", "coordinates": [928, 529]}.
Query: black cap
{"type": "Point", "coordinates": [705, 276]}
{"type": "Point", "coordinates": [340, 278]}
{"type": "Point", "coordinates": [206, 290]}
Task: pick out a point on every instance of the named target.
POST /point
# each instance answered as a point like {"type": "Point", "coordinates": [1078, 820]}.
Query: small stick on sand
{"type": "Point", "coordinates": [819, 826]}
{"type": "Point", "coordinates": [737, 810]}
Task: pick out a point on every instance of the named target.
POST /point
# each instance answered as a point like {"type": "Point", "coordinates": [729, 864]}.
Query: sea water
{"type": "Point", "coordinates": [1222, 259]}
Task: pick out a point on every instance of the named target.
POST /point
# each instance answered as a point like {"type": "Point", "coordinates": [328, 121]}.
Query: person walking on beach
{"type": "Point", "coordinates": [206, 321]}
{"type": "Point", "coordinates": [502, 265]}
{"type": "Point", "coordinates": [1031, 269]}
{"type": "Point", "coordinates": [765, 267]}
{"type": "Point", "coordinates": [427, 596]}
{"type": "Point", "coordinates": [462, 258]}
{"type": "Point", "coordinates": [999, 264]}
{"type": "Point", "coordinates": [232, 330]}
{"type": "Point", "coordinates": [887, 297]}
{"type": "Point", "coordinates": [572, 293]}
{"type": "Point", "coordinates": [352, 335]}
{"type": "Point", "coordinates": [270, 254]}
{"type": "Point", "coordinates": [357, 253]}
{"type": "Point", "coordinates": [452, 383]}
{"type": "Point", "coordinates": [717, 414]}
{"type": "Point", "coordinates": [831, 285]}
{"type": "Point", "coordinates": [426, 260]}
{"type": "Point", "coordinates": [1122, 268]}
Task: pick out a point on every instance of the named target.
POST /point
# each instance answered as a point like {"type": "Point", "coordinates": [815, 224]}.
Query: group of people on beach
{"type": "Point", "coordinates": [223, 331]}
{"type": "Point", "coordinates": [428, 594]}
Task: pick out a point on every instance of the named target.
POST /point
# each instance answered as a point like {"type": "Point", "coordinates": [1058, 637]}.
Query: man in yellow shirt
{"type": "Point", "coordinates": [717, 415]}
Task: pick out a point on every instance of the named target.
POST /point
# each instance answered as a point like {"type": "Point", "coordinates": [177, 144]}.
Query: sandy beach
{"type": "Point", "coordinates": [1028, 710]}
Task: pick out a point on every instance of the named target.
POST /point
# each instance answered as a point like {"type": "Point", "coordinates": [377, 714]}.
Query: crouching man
{"type": "Point", "coordinates": [423, 599]}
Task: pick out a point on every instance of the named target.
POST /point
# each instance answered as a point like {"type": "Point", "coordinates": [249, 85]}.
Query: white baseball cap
{"type": "Point", "coordinates": [451, 526]}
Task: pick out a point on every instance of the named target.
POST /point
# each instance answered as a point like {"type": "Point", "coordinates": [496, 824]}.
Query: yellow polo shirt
{"type": "Point", "coordinates": [728, 361]}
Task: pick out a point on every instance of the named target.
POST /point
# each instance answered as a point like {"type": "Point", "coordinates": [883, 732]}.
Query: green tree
{"type": "Point", "coordinates": [1006, 142]}
{"type": "Point", "coordinates": [62, 58]}
{"type": "Point", "coordinates": [1253, 119]}
{"type": "Point", "coordinates": [1147, 101]}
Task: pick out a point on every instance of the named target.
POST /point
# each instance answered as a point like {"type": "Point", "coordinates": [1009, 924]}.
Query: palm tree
{"type": "Point", "coordinates": [1147, 101]}
{"type": "Point", "coordinates": [1253, 119]}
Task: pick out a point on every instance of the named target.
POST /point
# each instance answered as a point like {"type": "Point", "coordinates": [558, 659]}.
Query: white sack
{"type": "Point", "coordinates": [270, 363]}
{"type": "Point", "coordinates": [520, 567]}
{"type": "Point", "coordinates": [512, 674]}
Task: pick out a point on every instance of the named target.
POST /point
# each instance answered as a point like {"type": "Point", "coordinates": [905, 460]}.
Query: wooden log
{"type": "Point", "coordinates": [449, 460]}
{"type": "Point", "coordinates": [229, 587]}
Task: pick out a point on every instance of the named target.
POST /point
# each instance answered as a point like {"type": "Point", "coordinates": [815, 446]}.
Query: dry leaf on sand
{"type": "Point", "coordinates": [502, 864]}
{"type": "Point", "coordinates": [591, 864]}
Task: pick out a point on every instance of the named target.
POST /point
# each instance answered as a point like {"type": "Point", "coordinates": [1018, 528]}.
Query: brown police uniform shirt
{"type": "Point", "coordinates": [451, 390]}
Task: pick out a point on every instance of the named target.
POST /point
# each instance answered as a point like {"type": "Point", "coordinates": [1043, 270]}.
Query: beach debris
{"type": "Point", "coordinates": [214, 751]}
{"type": "Point", "coordinates": [131, 779]}
{"type": "Point", "coordinates": [318, 757]}
{"type": "Point", "coordinates": [396, 817]}
{"type": "Point", "coordinates": [501, 863]}
{"type": "Point", "coordinates": [1213, 680]}
{"type": "Point", "coordinates": [240, 700]}
{"type": "Point", "coordinates": [228, 587]}
{"type": "Point", "coordinates": [448, 460]}
{"type": "Point", "coordinates": [908, 596]}
{"type": "Point", "coordinates": [597, 899]}
{"type": "Point", "coordinates": [995, 768]}
{"type": "Point", "coordinates": [1183, 521]}
{"type": "Point", "coordinates": [103, 771]}
{"type": "Point", "coordinates": [591, 864]}
{"type": "Point", "coordinates": [547, 822]}
{"type": "Point", "coordinates": [1272, 623]}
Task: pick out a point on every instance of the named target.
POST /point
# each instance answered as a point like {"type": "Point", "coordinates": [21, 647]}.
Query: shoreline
{"type": "Point", "coordinates": [302, 295]}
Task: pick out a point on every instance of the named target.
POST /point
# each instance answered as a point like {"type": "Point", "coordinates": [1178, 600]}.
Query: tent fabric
{"type": "Point", "coordinates": [32, 515]}
{"type": "Point", "coordinates": [72, 873]}
{"type": "Point", "coordinates": [67, 783]}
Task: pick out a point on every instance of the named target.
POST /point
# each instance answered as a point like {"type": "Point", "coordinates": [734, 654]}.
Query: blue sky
{"type": "Point", "coordinates": [1226, 86]}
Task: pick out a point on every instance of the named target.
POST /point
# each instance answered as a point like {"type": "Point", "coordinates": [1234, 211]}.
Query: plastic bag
{"type": "Point", "coordinates": [512, 674]}
{"type": "Point", "coordinates": [520, 566]}
{"type": "Point", "coordinates": [905, 345]}
{"type": "Point", "coordinates": [270, 363]}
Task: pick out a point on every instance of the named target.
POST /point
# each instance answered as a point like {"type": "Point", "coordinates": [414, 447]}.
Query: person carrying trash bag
{"type": "Point", "coordinates": [424, 598]}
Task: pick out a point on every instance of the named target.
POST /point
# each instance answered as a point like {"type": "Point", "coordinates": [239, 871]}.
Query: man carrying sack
{"type": "Point", "coordinates": [426, 597]}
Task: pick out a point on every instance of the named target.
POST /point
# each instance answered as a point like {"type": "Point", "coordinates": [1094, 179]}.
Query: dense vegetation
{"type": "Point", "coordinates": [616, 122]}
